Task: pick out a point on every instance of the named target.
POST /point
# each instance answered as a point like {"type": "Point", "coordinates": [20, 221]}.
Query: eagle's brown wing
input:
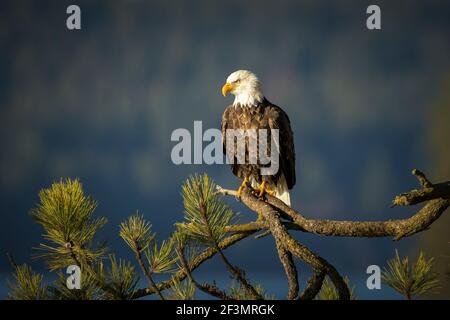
{"type": "Point", "coordinates": [269, 115]}
{"type": "Point", "coordinates": [278, 119]}
{"type": "Point", "coordinates": [225, 125]}
{"type": "Point", "coordinates": [229, 122]}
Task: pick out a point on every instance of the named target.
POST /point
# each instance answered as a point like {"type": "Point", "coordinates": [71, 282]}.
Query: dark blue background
{"type": "Point", "coordinates": [100, 104]}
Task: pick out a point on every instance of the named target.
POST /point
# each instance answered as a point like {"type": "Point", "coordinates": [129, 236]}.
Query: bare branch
{"type": "Point", "coordinates": [424, 182]}
{"type": "Point", "coordinates": [290, 269]}
{"type": "Point", "coordinates": [280, 233]}
{"type": "Point", "coordinates": [313, 286]}
{"type": "Point", "coordinates": [205, 287]}
{"type": "Point", "coordinates": [11, 260]}
{"type": "Point", "coordinates": [240, 276]}
{"type": "Point", "coordinates": [438, 201]}
{"type": "Point", "coordinates": [428, 192]}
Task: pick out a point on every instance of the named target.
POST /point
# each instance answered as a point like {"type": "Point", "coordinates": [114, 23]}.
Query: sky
{"type": "Point", "coordinates": [100, 104]}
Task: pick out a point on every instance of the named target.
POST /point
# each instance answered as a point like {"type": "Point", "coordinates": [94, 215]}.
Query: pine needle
{"type": "Point", "coordinates": [28, 285]}
{"type": "Point", "coordinates": [65, 213]}
{"type": "Point", "coordinates": [411, 281]}
{"type": "Point", "coordinates": [206, 215]}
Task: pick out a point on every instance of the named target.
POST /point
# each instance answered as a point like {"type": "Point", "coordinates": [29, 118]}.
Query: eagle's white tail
{"type": "Point", "coordinates": [281, 192]}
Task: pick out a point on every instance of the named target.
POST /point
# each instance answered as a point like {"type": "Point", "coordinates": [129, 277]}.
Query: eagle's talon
{"type": "Point", "coordinates": [244, 184]}
{"type": "Point", "coordinates": [263, 190]}
{"type": "Point", "coordinates": [239, 192]}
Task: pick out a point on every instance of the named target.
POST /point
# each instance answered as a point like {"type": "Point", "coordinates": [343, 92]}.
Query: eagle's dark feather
{"type": "Point", "coordinates": [263, 116]}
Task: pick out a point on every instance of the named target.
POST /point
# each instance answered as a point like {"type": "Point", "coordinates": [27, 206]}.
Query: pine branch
{"type": "Point", "coordinates": [119, 281]}
{"type": "Point", "coordinates": [205, 287]}
{"type": "Point", "coordinates": [161, 259]}
{"type": "Point", "coordinates": [208, 218]}
{"type": "Point", "coordinates": [27, 285]}
{"type": "Point", "coordinates": [90, 288]}
{"type": "Point", "coordinates": [238, 292]}
{"type": "Point", "coordinates": [414, 281]}
{"type": "Point", "coordinates": [329, 292]}
{"type": "Point", "coordinates": [136, 232]}
{"type": "Point", "coordinates": [200, 258]}
{"type": "Point", "coordinates": [313, 286]}
{"type": "Point", "coordinates": [65, 213]}
{"type": "Point", "coordinates": [287, 242]}
{"type": "Point", "coordinates": [429, 191]}
{"type": "Point", "coordinates": [240, 276]}
{"type": "Point", "coordinates": [148, 275]}
{"type": "Point", "coordinates": [181, 290]}
{"type": "Point", "coordinates": [289, 267]}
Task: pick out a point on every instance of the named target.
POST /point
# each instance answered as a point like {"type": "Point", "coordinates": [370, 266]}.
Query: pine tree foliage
{"type": "Point", "coordinates": [238, 292]}
{"type": "Point", "coordinates": [411, 281]}
{"type": "Point", "coordinates": [118, 281]}
{"type": "Point", "coordinates": [27, 285]}
{"type": "Point", "coordinates": [329, 291]}
{"type": "Point", "coordinates": [137, 233]}
{"type": "Point", "coordinates": [206, 214]}
{"type": "Point", "coordinates": [161, 259]}
{"type": "Point", "coordinates": [183, 243]}
{"type": "Point", "coordinates": [65, 213]}
{"type": "Point", "coordinates": [207, 220]}
{"type": "Point", "coordinates": [89, 290]}
{"type": "Point", "coordinates": [181, 290]}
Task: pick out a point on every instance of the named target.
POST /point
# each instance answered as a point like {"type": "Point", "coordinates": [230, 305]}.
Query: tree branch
{"type": "Point", "coordinates": [273, 209]}
{"type": "Point", "coordinates": [313, 286]}
{"type": "Point", "coordinates": [200, 259]}
{"type": "Point", "coordinates": [428, 192]}
{"type": "Point", "coordinates": [206, 288]}
{"type": "Point", "coordinates": [290, 269]}
{"type": "Point", "coordinates": [280, 233]}
{"type": "Point", "coordinates": [438, 201]}
{"type": "Point", "coordinates": [146, 272]}
{"type": "Point", "coordinates": [240, 276]}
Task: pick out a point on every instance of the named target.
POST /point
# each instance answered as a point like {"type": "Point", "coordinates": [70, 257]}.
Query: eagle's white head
{"type": "Point", "coordinates": [245, 86]}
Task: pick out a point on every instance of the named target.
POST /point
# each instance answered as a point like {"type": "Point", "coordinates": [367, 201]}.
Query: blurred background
{"type": "Point", "coordinates": [101, 103]}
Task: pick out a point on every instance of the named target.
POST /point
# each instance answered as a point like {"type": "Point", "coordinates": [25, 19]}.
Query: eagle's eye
{"type": "Point", "coordinates": [237, 81]}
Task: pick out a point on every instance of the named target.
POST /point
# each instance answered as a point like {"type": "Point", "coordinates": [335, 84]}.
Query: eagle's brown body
{"type": "Point", "coordinates": [262, 116]}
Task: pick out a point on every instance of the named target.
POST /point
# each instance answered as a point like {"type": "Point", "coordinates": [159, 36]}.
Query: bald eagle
{"type": "Point", "coordinates": [251, 110]}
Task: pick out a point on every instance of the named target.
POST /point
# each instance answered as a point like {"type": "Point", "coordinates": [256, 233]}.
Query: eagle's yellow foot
{"type": "Point", "coordinates": [260, 217]}
{"type": "Point", "coordinates": [263, 190]}
{"type": "Point", "coordinates": [245, 183]}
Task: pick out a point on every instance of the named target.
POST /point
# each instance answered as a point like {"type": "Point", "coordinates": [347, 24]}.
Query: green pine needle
{"type": "Point", "coordinates": [136, 232]}
{"type": "Point", "coordinates": [411, 281]}
{"type": "Point", "coordinates": [238, 292]}
{"type": "Point", "coordinates": [206, 214]}
{"type": "Point", "coordinates": [65, 213]}
{"type": "Point", "coordinates": [28, 285]}
{"type": "Point", "coordinates": [162, 259]}
{"type": "Point", "coordinates": [329, 291]}
{"type": "Point", "coordinates": [119, 281]}
{"type": "Point", "coordinates": [89, 288]}
{"type": "Point", "coordinates": [184, 290]}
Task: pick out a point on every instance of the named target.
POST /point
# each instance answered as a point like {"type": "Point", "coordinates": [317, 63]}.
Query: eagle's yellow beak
{"type": "Point", "coordinates": [227, 87]}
